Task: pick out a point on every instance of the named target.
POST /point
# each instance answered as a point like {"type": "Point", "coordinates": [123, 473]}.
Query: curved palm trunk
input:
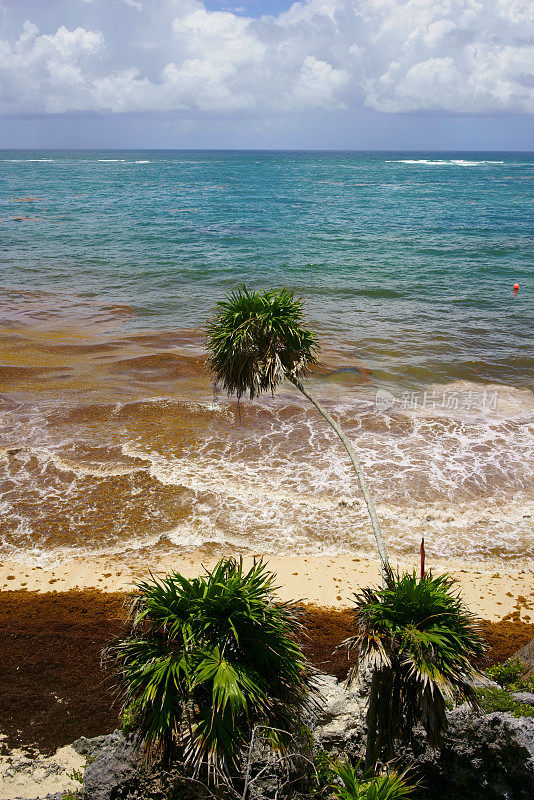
{"type": "Point", "coordinates": [359, 473]}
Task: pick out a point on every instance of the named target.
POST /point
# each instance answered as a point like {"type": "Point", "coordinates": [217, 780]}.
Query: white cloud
{"type": "Point", "coordinates": [48, 73]}
{"type": "Point", "coordinates": [72, 44]}
{"type": "Point", "coordinates": [449, 54]}
{"type": "Point", "coordinates": [318, 85]}
{"type": "Point", "coordinates": [390, 55]}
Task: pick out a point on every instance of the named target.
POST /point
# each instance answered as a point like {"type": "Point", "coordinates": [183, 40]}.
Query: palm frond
{"type": "Point", "coordinates": [358, 785]}
{"type": "Point", "coordinates": [206, 659]}
{"type": "Point", "coordinates": [255, 339]}
{"type": "Point", "coordinates": [422, 643]}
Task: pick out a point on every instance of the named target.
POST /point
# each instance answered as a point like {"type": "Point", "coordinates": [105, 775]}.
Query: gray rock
{"type": "Point", "coordinates": [115, 770]}
{"type": "Point", "coordinates": [340, 720]}
{"type": "Point", "coordinates": [524, 697]}
{"type": "Point", "coordinates": [488, 757]}
{"type": "Point", "coordinates": [90, 747]}
{"type": "Point", "coordinates": [526, 654]}
{"type": "Point", "coordinates": [484, 757]}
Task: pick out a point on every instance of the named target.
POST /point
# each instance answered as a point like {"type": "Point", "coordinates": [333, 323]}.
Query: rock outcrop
{"type": "Point", "coordinates": [526, 655]}
{"type": "Point", "coordinates": [484, 756]}
{"type": "Point", "coordinates": [114, 770]}
{"type": "Point", "coordinates": [339, 725]}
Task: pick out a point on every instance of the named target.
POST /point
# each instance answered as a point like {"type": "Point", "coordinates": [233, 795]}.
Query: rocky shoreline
{"type": "Point", "coordinates": [484, 757]}
{"type": "Point", "coordinates": [54, 691]}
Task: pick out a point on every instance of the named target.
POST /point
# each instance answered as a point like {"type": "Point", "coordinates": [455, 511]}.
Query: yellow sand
{"type": "Point", "coordinates": [491, 591]}
{"type": "Point", "coordinates": [39, 776]}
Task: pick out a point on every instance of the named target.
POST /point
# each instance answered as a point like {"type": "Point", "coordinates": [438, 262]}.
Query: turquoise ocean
{"type": "Point", "coordinates": [112, 438]}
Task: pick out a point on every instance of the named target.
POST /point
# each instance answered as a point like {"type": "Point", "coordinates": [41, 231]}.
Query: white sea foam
{"type": "Point", "coordinates": [442, 162]}
{"type": "Point", "coordinates": [463, 163]}
{"type": "Point", "coordinates": [34, 555]}
{"type": "Point", "coordinates": [279, 481]}
{"type": "Point", "coordinates": [463, 483]}
{"type": "Point", "coordinates": [102, 471]}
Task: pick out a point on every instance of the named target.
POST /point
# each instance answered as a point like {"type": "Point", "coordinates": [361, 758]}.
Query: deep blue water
{"type": "Point", "coordinates": [405, 259]}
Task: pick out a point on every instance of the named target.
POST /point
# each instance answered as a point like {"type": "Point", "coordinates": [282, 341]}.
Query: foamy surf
{"type": "Point", "coordinates": [268, 476]}
{"type": "Point", "coordinates": [459, 162]}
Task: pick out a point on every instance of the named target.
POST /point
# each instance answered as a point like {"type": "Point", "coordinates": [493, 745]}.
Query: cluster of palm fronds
{"type": "Point", "coordinates": [355, 785]}
{"type": "Point", "coordinates": [206, 661]}
{"type": "Point", "coordinates": [421, 643]}
{"type": "Point", "coordinates": [256, 340]}
{"type": "Point", "coordinates": [211, 665]}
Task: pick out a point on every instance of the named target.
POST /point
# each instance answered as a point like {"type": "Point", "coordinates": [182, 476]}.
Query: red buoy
{"type": "Point", "coordinates": [516, 287]}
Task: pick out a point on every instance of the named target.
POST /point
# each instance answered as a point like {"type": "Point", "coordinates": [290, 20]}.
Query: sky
{"type": "Point", "coordinates": [317, 74]}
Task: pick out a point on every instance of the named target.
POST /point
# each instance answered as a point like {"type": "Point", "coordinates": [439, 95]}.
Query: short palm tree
{"type": "Point", "coordinates": [421, 642]}
{"type": "Point", "coordinates": [206, 662]}
{"type": "Point", "coordinates": [256, 340]}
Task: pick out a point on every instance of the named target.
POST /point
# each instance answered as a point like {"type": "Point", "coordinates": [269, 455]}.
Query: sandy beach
{"type": "Point", "coordinates": [492, 592]}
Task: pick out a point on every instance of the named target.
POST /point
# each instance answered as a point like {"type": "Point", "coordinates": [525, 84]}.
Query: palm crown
{"type": "Point", "coordinates": [256, 339]}
{"type": "Point", "coordinates": [421, 641]}
{"type": "Point", "coordinates": [208, 659]}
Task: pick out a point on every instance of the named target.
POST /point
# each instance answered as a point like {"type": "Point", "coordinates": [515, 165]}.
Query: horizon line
{"type": "Point", "coordinates": [262, 150]}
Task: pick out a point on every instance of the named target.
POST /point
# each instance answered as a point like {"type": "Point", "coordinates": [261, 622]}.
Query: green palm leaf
{"type": "Point", "coordinates": [205, 660]}
{"type": "Point", "coordinates": [422, 642]}
{"type": "Point", "coordinates": [389, 785]}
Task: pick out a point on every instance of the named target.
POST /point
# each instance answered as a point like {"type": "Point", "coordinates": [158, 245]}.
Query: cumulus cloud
{"type": "Point", "coordinates": [48, 72]}
{"type": "Point", "coordinates": [389, 55]}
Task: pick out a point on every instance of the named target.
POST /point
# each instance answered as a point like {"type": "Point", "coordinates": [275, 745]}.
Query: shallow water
{"type": "Point", "coordinates": [112, 438]}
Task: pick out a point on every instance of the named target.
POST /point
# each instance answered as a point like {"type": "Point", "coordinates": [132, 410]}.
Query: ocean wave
{"type": "Point", "coordinates": [269, 475]}
{"type": "Point", "coordinates": [443, 162]}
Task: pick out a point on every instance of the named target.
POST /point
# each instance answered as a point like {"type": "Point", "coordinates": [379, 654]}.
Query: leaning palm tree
{"type": "Point", "coordinates": [208, 663]}
{"type": "Point", "coordinates": [421, 642]}
{"type": "Point", "coordinates": [256, 340]}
